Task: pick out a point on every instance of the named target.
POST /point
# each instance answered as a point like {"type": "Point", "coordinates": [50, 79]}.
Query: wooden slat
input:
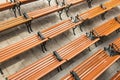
{"type": "Point", "coordinates": [116, 76]}
{"type": "Point", "coordinates": [13, 23]}
{"type": "Point", "coordinates": [107, 28]}
{"type": "Point", "coordinates": [19, 47]}
{"type": "Point", "coordinates": [94, 66]}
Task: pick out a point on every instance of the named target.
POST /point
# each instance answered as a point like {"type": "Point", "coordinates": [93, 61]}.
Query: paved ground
{"type": "Point", "coordinates": [14, 35]}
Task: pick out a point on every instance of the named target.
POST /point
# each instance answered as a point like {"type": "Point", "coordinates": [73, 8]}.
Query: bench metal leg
{"type": "Point", "coordinates": [49, 2]}
{"type": "Point", "coordinates": [60, 14]}
{"type": "Point", "coordinates": [96, 44]}
{"type": "Point", "coordinates": [14, 11]}
{"type": "Point", "coordinates": [56, 1]}
{"type": "Point", "coordinates": [28, 24]}
{"type": "Point", "coordinates": [74, 31]}
{"type": "Point", "coordinates": [80, 26]}
{"type": "Point", "coordinates": [89, 3]}
{"type": "Point", "coordinates": [19, 10]}
{"type": "Point", "coordinates": [67, 11]}
{"type": "Point", "coordinates": [43, 47]}
{"type": "Point", "coordinates": [1, 71]}
{"type": "Point", "coordinates": [59, 68]}
{"type": "Point", "coordinates": [117, 31]}
{"type": "Point", "coordinates": [103, 15]}
{"type": "Point", "coordinates": [6, 78]}
{"type": "Point", "coordinates": [89, 49]}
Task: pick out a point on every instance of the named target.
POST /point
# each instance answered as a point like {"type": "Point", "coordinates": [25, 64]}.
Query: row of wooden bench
{"type": "Point", "coordinates": [39, 38]}
{"type": "Point", "coordinates": [95, 65]}
{"type": "Point", "coordinates": [54, 60]}
{"type": "Point", "coordinates": [14, 5]}
{"type": "Point", "coordinates": [62, 55]}
{"type": "Point", "coordinates": [28, 17]}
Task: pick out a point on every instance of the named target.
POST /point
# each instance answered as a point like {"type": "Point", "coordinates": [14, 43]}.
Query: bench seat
{"type": "Point", "coordinates": [116, 76]}
{"type": "Point", "coordinates": [75, 47]}
{"type": "Point", "coordinates": [106, 28]}
{"type": "Point", "coordinates": [98, 10]}
{"type": "Point", "coordinates": [13, 23]}
{"type": "Point", "coordinates": [59, 28]}
{"type": "Point", "coordinates": [7, 5]}
{"type": "Point", "coordinates": [93, 67]}
{"type": "Point", "coordinates": [19, 47]}
{"type": "Point", "coordinates": [37, 69]}
{"type": "Point", "coordinates": [116, 45]}
{"type": "Point", "coordinates": [42, 12]}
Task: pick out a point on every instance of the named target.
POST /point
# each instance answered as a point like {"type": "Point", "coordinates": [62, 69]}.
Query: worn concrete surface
{"type": "Point", "coordinates": [16, 34]}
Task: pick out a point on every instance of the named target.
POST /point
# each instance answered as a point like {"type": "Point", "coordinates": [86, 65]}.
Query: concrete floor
{"type": "Point", "coordinates": [16, 34]}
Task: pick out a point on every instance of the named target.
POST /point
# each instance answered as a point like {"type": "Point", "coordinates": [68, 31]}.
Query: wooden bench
{"type": "Point", "coordinates": [106, 28]}
{"type": "Point", "coordinates": [45, 11]}
{"type": "Point", "coordinates": [75, 47]}
{"type": "Point", "coordinates": [100, 9]}
{"type": "Point", "coordinates": [50, 62]}
{"type": "Point", "coordinates": [20, 47]}
{"type": "Point", "coordinates": [7, 5]}
{"type": "Point", "coordinates": [116, 45]}
{"type": "Point", "coordinates": [93, 67]}
{"type": "Point", "coordinates": [116, 76]}
{"type": "Point", "coordinates": [14, 22]}
{"type": "Point", "coordinates": [14, 5]}
{"type": "Point", "coordinates": [41, 12]}
{"type": "Point", "coordinates": [114, 48]}
{"type": "Point", "coordinates": [38, 69]}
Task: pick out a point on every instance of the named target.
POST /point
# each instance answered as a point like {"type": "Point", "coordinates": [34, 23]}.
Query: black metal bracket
{"type": "Point", "coordinates": [103, 6]}
{"type": "Point", "coordinates": [60, 14]}
{"type": "Point", "coordinates": [117, 19]}
{"type": "Point", "coordinates": [75, 20]}
{"type": "Point", "coordinates": [111, 50]}
{"type": "Point", "coordinates": [14, 10]}
{"type": "Point", "coordinates": [25, 15]}
{"type": "Point", "coordinates": [74, 74]}
{"type": "Point", "coordinates": [28, 24]}
{"type": "Point", "coordinates": [89, 3]}
{"type": "Point", "coordinates": [55, 53]}
{"type": "Point", "coordinates": [49, 2]}
{"type": "Point", "coordinates": [18, 7]}
{"type": "Point", "coordinates": [43, 47]}
{"type": "Point", "coordinates": [91, 35]}
{"type": "Point", "coordinates": [40, 35]}
{"type": "Point", "coordinates": [59, 68]}
{"type": "Point", "coordinates": [29, 28]}
{"type": "Point", "coordinates": [103, 15]}
{"type": "Point", "coordinates": [67, 8]}
{"type": "Point", "coordinates": [62, 3]}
